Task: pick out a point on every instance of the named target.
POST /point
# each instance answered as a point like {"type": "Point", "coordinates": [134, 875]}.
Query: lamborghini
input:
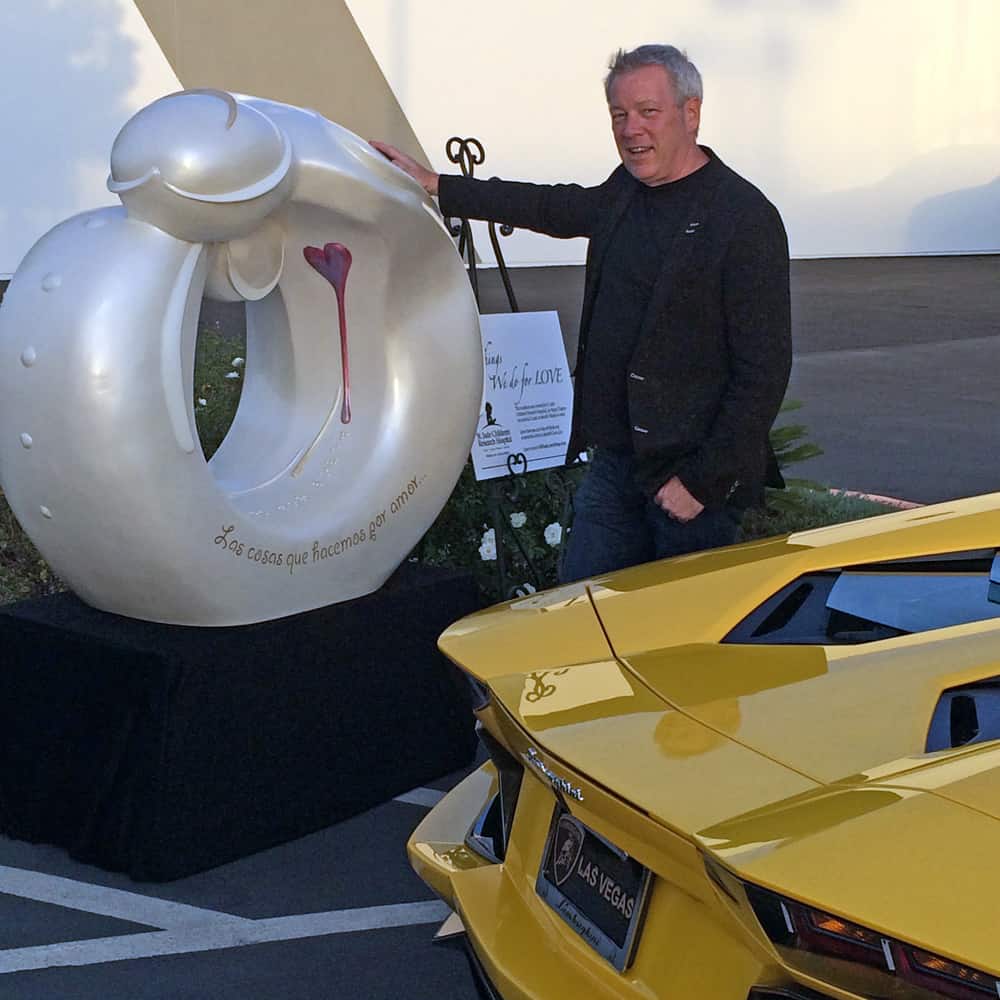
{"type": "Point", "coordinates": [766, 771]}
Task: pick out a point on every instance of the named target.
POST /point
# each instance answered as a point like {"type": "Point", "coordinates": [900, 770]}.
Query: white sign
{"type": "Point", "coordinates": [527, 394]}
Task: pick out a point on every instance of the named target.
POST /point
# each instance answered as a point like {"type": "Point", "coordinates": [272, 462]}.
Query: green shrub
{"type": "Point", "coordinates": [801, 507]}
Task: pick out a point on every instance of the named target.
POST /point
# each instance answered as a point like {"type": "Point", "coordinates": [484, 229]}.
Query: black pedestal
{"type": "Point", "coordinates": [162, 750]}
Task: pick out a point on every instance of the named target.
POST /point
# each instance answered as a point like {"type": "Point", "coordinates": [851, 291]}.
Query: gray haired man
{"type": "Point", "coordinates": [685, 335]}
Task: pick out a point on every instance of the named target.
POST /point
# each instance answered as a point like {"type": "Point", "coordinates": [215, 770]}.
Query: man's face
{"type": "Point", "coordinates": [653, 135]}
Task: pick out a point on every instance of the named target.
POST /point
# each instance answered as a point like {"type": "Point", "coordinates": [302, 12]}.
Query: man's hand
{"type": "Point", "coordinates": [674, 499]}
{"type": "Point", "coordinates": [427, 179]}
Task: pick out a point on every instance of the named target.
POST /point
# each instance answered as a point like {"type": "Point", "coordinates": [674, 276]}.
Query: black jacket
{"type": "Point", "coordinates": [714, 354]}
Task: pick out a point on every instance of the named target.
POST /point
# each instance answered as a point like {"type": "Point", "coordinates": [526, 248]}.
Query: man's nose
{"type": "Point", "coordinates": [632, 125]}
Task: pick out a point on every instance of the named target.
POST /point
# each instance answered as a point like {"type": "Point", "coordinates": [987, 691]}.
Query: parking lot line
{"type": "Point", "coordinates": [427, 797]}
{"type": "Point", "coordinates": [220, 935]}
{"type": "Point", "coordinates": [117, 903]}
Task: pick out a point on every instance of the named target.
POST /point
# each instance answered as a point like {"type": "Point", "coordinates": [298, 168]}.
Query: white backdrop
{"type": "Point", "coordinates": [874, 125]}
{"type": "Point", "coordinates": [74, 72]}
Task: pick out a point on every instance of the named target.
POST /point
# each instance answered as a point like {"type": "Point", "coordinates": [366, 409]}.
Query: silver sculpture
{"type": "Point", "coordinates": [360, 400]}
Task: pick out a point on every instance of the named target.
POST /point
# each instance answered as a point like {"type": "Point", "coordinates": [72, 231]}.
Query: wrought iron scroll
{"type": "Point", "coordinates": [502, 495]}
{"type": "Point", "coordinates": [469, 154]}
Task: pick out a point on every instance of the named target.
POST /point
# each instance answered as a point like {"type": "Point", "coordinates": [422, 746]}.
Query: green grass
{"type": "Point", "coordinates": [23, 572]}
{"type": "Point", "coordinates": [213, 361]}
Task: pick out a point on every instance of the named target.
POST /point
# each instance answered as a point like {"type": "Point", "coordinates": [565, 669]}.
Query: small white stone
{"type": "Point", "coordinates": [232, 375]}
{"type": "Point", "coordinates": [28, 357]}
{"type": "Point", "coordinates": [51, 281]}
{"type": "Point", "coordinates": [46, 512]}
{"type": "Point", "coordinates": [237, 362]}
{"type": "Point", "coordinates": [26, 441]}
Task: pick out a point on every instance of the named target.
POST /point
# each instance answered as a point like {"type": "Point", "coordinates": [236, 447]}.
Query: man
{"type": "Point", "coordinates": [685, 335]}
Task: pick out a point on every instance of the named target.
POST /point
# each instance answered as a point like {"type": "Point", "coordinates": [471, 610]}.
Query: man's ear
{"type": "Point", "coordinates": [692, 114]}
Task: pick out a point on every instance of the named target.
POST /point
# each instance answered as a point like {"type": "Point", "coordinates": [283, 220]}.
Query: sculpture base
{"type": "Point", "coordinates": [162, 750]}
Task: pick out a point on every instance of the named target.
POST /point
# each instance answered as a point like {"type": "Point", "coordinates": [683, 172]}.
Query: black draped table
{"type": "Point", "coordinates": [162, 750]}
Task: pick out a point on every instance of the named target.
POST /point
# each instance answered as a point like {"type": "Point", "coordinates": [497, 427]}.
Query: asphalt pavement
{"type": "Point", "coordinates": [895, 363]}
{"type": "Point", "coordinates": [337, 914]}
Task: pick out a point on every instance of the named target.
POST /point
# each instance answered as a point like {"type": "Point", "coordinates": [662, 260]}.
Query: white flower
{"type": "Point", "coordinates": [232, 374]}
{"type": "Point", "coordinates": [237, 362]}
{"type": "Point", "coordinates": [202, 402]}
{"type": "Point", "coordinates": [518, 520]}
{"type": "Point", "coordinates": [553, 533]}
{"type": "Point", "coordinates": [488, 546]}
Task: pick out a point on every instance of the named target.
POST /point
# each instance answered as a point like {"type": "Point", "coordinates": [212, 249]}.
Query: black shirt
{"type": "Point", "coordinates": [634, 260]}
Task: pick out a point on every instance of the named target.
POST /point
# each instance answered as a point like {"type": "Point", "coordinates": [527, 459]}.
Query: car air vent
{"type": "Point", "coordinates": [490, 832]}
{"type": "Point", "coordinates": [785, 611]}
{"type": "Point", "coordinates": [800, 613]}
{"type": "Point", "coordinates": [966, 715]}
{"type": "Point", "coordinates": [796, 613]}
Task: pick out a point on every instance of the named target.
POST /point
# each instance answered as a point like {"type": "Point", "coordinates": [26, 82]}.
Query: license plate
{"type": "Point", "coordinates": [594, 886]}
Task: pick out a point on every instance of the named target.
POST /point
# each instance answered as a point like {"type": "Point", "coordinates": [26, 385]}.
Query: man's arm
{"type": "Point", "coordinates": [561, 210]}
{"type": "Point", "coordinates": [757, 313]}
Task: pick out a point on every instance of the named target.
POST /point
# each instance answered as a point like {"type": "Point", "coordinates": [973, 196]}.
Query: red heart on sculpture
{"type": "Point", "coordinates": [333, 262]}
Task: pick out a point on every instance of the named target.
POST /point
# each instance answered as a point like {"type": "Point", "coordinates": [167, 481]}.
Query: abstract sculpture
{"type": "Point", "coordinates": [313, 497]}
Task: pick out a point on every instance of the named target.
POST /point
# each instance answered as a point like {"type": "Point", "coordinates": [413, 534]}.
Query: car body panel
{"type": "Point", "coordinates": [435, 853]}
{"type": "Point", "coordinates": [698, 598]}
{"type": "Point", "coordinates": [651, 754]}
{"type": "Point", "coordinates": [641, 832]}
{"type": "Point", "coordinates": [516, 936]}
{"type": "Point", "coordinates": [883, 856]}
{"type": "Point", "coordinates": [966, 777]}
{"type": "Point", "coordinates": [540, 632]}
{"type": "Point", "coordinates": [843, 709]}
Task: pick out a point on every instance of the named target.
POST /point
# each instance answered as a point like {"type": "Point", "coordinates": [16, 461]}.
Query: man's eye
{"type": "Point", "coordinates": [649, 112]}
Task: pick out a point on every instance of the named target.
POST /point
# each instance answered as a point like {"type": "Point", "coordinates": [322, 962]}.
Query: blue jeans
{"type": "Point", "coordinates": [616, 525]}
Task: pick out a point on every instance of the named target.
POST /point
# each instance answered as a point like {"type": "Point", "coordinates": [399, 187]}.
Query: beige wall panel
{"type": "Point", "coordinates": [309, 53]}
{"type": "Point", "coordinates": [873, 125]}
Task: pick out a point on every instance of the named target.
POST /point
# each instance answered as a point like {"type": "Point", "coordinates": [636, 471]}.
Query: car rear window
{"type": "Point", "coordinates": [857, 604]}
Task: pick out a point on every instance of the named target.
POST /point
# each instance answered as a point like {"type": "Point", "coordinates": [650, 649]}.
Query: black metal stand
{"type": "Point", "coordinates": [502, 494]}
{"type": "Point", "coordinates": [469, 154]}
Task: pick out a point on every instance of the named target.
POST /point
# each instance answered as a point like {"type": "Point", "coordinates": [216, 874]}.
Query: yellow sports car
{"type": "Point", "coordinates": [768, 771]}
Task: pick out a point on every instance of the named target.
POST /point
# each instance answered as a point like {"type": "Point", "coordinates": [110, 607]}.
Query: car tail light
{"type": "Point", "coordinates": [950, 979]}
{"type": "Point", "coordinates": [830, 935]}
{"type": "Point", "coordinates": [490, 833]}
{"type": "Point", "coordinates": [790, 924]}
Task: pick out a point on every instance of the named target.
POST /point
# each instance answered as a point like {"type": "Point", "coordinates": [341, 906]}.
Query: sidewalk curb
{"type": "Point", "coordinates": [876, 498]}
